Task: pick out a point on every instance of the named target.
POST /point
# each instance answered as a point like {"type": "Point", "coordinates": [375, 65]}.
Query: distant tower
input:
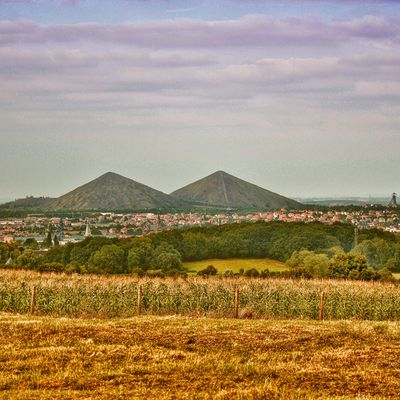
{"type": "Point", "coordinates": [355, 237]}
{"type": "Point", "coordinates": [393, 201]}
{"type": "Point", "coordinates": [61, 230]}
{"type": "Point", "coordinates": [88, 231]}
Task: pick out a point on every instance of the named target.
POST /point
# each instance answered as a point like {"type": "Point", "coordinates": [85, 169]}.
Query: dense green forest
{"type": "Point", "coordinates": [309, 247]}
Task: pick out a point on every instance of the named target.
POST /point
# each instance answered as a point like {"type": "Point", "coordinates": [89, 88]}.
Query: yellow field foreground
{"type": "Point", "coordinates": [183, 358]}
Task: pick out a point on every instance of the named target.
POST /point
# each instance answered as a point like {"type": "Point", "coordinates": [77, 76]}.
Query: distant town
{"type": "Point", "coordinates": [124, 225]}
{"type": "Point", "coordinates": [217, 199]}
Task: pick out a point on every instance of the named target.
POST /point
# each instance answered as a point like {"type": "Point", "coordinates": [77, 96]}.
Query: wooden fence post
{"type": "Point", "coordinates": [236, 309]}
{"type": "Point", "coordinates": [139, 300]}
{"type": "Point", "coordinates": [321, 306]}
{"type": "Point", "coordinates": [33, 300]}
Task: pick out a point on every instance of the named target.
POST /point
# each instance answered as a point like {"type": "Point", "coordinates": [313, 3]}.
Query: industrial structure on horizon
{"type": "Point", "coordinates": [393, 201]}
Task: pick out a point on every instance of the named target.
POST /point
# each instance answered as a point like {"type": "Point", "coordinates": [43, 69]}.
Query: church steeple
{"type": "Point", "coordinates": [88, 231]}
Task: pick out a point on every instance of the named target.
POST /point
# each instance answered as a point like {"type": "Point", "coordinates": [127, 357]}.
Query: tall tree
{"type": "Point", "coordinates": [351, 266]}
{"type": "Point", "coordinates": [110, 259]}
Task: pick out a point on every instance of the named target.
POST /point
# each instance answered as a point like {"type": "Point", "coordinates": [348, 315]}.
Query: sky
{"type": "Point", "coordinates": [299, 97]}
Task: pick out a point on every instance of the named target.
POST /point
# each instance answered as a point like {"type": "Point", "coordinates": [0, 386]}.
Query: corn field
{"type": "Point", "coordinates": [88, 296]}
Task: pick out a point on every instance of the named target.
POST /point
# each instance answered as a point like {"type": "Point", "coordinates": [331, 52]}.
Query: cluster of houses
{"type": "Point", "coordinates": [110, 224]}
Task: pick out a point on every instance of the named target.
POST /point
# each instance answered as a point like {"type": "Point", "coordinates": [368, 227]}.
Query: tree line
{"type": "Point", "coordinates": [304, 247]}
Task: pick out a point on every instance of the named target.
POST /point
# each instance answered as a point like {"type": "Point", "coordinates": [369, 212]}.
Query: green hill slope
{"type": "Point", "coordinates": [221, 189]}
{"type": "Point", "coordinates": [113, 192]}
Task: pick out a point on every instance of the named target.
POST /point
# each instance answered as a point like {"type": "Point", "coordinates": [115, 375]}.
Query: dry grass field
{"type": "Point", "coordinates": [188, 358]}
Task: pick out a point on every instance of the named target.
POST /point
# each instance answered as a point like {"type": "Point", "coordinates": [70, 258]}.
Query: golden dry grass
{"type": "Point", "coordinates": [182, 358]}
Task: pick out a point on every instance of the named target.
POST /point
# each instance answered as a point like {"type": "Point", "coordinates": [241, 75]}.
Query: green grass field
{"type": "Point", "coordinates": [235, 264]}
{"type": "Point", "coordinates": [190, 358]}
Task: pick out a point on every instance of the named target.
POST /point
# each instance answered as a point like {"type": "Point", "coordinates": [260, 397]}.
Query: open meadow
{"type": "Point", "coordinates": [236, 264]}
{"type": "Point", "coordinates": [191, 358]}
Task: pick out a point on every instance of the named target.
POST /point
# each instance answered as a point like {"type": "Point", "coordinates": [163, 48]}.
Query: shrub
{"type": "Point", "coordinates": [316, 264]}
{"type": "Point", "coordinates": [210, 270]}
{"type": "Point", "coordinates": [175, 272]}
{"type": "Point", "coordinates": [296, 273]}
{"type": "Point", "coordinates": [252, 273]}
{"type": "Point", "coordinates": [155, 273]}
{"type": "Point", "coordinates": [74, 267]}
{"type": "Point", "coordinates": [351, 266]}
{"type": "Point", "coordinates": [386, 276]}
{"type": "Point", "coordinates": [266, 273]}
{"type": "Point", "coordinates": [51, 267]}
{"type": "Point", "coordinates": [137, 272]}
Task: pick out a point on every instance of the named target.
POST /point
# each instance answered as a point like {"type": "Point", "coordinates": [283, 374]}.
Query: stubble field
{"type": "Point", "coordinates": [186, 358]}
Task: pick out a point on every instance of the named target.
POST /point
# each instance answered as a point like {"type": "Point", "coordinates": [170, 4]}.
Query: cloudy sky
{"type": "Point", "coordinates": [300, 97]}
